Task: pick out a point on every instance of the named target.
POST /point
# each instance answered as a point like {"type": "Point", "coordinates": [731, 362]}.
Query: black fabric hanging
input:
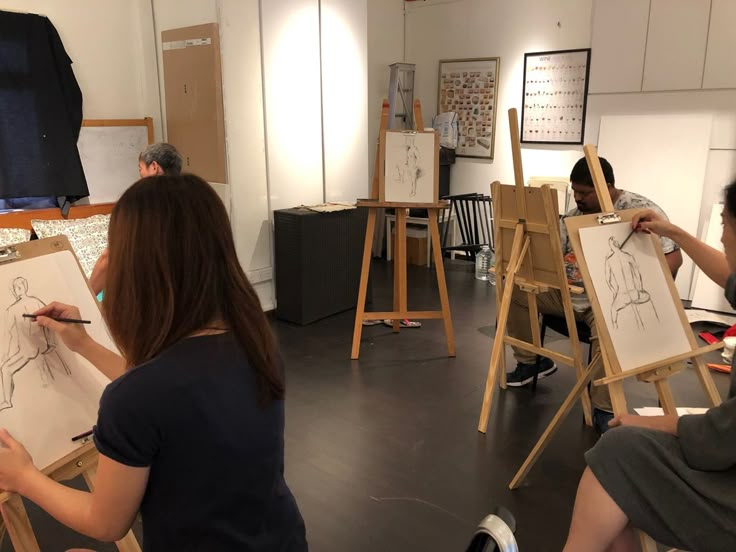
{"type": "Point", "coordinates": [40, 112]}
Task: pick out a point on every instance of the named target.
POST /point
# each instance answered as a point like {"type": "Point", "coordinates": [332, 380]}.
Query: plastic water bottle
{"type": "Point", "coordinates": [484, 260]}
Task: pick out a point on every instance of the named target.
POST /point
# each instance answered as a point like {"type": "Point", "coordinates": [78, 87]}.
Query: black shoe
{"type": "Point", "coordinates": [524, 373]}
{"type": "Point", "coordinates": [601, 419]}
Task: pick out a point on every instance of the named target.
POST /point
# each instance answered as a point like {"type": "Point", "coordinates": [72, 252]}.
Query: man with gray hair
{"type": "Point", "coordinates": [160, 158]}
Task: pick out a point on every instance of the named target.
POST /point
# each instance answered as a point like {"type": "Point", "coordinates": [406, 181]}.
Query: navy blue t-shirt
{"type": "Point", "coordinates": [216, 456]}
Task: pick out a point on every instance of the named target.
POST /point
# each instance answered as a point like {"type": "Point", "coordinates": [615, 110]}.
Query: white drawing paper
{"type": "Point", "coordinates": [409, 169]}
{"type": "Point", "coordinates": [47, 393]}
{"type": "Point", "coordinates": [637, 305]}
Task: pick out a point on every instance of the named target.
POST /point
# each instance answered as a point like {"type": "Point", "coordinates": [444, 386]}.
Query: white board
{"type": "Point", "coordinates": [706, 293]}
{"type": "Point", "coordinates": [54, 393]}
{"type": "Point", "coordinates": [409, 170]}
{"type": "Point", "coordinates": [638, 309]}
{"type": "Point", "coordinates": [664, 158]}
{"type": "Point", "coordinates": [110, 159]}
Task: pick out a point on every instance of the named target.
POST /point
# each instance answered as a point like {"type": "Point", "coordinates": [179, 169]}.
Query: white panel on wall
{"type": "Point", "coordinates": [664, 158]}
{"type": "Point", "coordinates": [618, 43]}
{"type": "Point", "coordinates": [720, 61]}
{"type": "Point", "coordinates": [291, 69]}
{"type": "Point", "coordinates": [707, 294]}
{"type": "Point", "coordinates": [243, 102]}
{"type": "Point", "coordinates": [678, 30]}
{"type": "Point", "coordinates": [344, 98]}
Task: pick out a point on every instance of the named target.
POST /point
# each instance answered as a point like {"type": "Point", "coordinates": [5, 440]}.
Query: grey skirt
{"type": "Point", "coordinates": [646, 474]}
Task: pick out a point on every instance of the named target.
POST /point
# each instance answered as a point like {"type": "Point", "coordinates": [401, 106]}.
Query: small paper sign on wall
{"type": "Point", "coordinates": [410, 162]}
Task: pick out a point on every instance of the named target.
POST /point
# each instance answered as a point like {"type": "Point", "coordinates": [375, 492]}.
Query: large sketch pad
{"type": "Point", "coordinates": [638, 308]}
{"type": "Point", "coordinates": [47, 393]}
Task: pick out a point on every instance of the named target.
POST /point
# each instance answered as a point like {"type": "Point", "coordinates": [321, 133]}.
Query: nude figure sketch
{"type": "Point", "coordinates": [623, 278]}
{"type": "Point", "coordinates": [26, 343]}
{"type": "Point", "coordinates": [408, 170]}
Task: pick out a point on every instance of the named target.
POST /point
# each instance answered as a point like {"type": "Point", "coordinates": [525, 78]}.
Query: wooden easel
{"type": "Point", "coordinates": [400, 309]}
{"type": "Point", "coordinates": [655, 372]}
{"type": "Point", "coordinates": [82, 461]}
{"type": "Point", "coordinates": [528, 255]}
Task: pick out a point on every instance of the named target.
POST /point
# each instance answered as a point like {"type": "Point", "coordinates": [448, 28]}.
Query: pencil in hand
{"type": "Point", "coordinates": [59, 319]}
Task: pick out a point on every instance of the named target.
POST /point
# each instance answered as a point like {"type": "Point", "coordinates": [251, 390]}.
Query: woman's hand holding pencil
{"type": "Point", "coordinates": [73, 334]}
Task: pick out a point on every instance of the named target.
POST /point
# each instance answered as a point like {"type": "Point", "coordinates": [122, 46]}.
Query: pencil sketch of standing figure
{"type": "Point", "coordinates": [408, 170]}
{"type": "Point", "coordinates": [625, 282]}
{"type": "Point", "coordinates": [26, 342]}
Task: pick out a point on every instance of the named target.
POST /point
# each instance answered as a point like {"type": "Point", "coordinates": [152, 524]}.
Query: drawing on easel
{"type": "Point", "coordinates": [625, 281]}
{"type": "Point", "coordinates": [27, 343]}
{"type": "Point", "coordinates": [634, 295]}
{"type": "Point", "coordinates": [410, 167]}
{"type": "Point", "coordinates": [49, 393]}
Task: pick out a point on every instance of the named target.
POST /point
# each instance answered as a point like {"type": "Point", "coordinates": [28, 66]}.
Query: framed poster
{"type": "Point", "coordinates": [410, 163]}
{"type": "Point", "coordinates": [469, 87]}
{"type": "Point", "coordinates": [555, 96]}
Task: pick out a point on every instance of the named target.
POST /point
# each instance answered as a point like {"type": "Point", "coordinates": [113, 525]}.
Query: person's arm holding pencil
{"type": "Point", "coordinates": [78, 340]}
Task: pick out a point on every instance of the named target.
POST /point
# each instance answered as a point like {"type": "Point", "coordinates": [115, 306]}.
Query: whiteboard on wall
{"type": "Point", "coordinates": [706, 293]}
{"type": "Point", "coordinates": [109, 156]}
{"type": "Point", "coordinates": [664, 158]}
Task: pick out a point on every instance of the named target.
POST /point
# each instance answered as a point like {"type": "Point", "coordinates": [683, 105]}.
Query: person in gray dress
{"type": "Point", "coordinates": [673, 478]}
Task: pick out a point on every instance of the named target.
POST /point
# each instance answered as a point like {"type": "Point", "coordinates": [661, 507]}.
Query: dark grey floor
{"type": "Point", "coordinates": [383, 453]}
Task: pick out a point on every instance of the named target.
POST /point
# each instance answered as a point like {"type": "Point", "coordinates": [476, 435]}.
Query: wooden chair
{"type": "Point", "coordinates": [474, 213]}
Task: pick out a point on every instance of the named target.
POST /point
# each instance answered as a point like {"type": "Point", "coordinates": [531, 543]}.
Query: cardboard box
{"type": "Point", "coordinates": [416, 245]}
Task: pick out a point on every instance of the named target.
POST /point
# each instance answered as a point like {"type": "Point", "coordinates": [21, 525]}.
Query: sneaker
{"type": "Point", "coordinates": [524, 374]}
{"type": "Point", "coordinates": [601, 419]}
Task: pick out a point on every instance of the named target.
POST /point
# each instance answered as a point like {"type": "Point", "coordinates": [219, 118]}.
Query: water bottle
{"type": "Point", "coordinates": [483, 262]}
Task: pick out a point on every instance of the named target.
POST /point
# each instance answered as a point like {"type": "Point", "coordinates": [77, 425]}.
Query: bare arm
{"type": "Point", "coordinates": [106, 514]}
{"type": "Point", "coordinates": [709, 260]}
{"type": "Point", "coordinates": [99, 273]}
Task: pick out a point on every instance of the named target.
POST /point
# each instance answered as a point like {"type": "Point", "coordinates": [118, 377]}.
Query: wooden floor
{"type": "Point", "coordinates": [383, 453]}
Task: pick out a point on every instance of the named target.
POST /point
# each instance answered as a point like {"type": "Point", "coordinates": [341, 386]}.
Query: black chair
{"type": "Point", "coordinates": [474, 214]}
{"type": "Point", "coordinates": [559, 324]}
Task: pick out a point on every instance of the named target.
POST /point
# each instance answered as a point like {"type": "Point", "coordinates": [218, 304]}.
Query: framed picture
{"type": "Point", "coordinates": [555, 96]}
{"type": "Point", "coordinates": [469, 87]}
{"type": "Point", "coordinates": [410, 162]}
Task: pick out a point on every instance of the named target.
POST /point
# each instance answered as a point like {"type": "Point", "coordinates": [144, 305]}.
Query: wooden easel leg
{"type": "Point", "coordinates": [616, 389]}
{"type": "Point", "coordinates": [580, 387]}
{"type": "Point", "coordinates": [441, 281]}
{"type": "Point", "coordinates": [647, 543]}
{"type": "Point", "coordinates": [362, 289]}
{"type": "Point", "coordinates": [18, 525]}
{"type": "Point", "coordinates": [399, 266]}
{"type": "Point", "coordinates": [665, 396]}
{"type": "Point", "coordinates": [499, 347]}
{"type": "Point", "coordinates": [706, 380]}
{"type": "Point", "coordinates": [128, 543]}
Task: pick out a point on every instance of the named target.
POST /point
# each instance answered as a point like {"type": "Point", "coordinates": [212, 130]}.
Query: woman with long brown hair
{"type": "Point", "coordinates": [191, 432]}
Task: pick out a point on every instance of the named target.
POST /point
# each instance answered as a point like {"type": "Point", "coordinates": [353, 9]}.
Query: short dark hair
{"type": "Point", "coordinates": [581, 173]}
{"type": "Point", "coordinates": [730, 197]}
{"type": "Point", "coordinates": [165, 155]}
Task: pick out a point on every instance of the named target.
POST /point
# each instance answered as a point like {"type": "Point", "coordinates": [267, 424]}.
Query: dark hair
{"type": "Point", "coordinates": [165, 155]}
{"type": "Point", "coordinates": [173, 271]}
{"type": "Point", "coordinates": [581, 173]}
{"type": "Point", "coordinates": [730, 195]}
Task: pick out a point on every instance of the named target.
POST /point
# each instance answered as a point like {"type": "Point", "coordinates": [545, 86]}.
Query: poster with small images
{"type": "Point", "coordinates": [469, 87]}
{"type": "Point", "coordinates": [555, 96]}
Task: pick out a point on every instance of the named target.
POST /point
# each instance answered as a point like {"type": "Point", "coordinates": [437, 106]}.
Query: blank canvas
{"type": "Point", "coordinates": [409, 170]}
{"type": "Point", "coordinates": [54, 393]}
{"type": "Point", "coordinates": [633, 294]}
{"type": "Point", "coordinates": [664, 158]}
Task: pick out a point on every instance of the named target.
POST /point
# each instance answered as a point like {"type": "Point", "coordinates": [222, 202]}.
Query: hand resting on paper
{"type": "Point", "coordinates": [668, 424]}
{"type": "Point", "coordinates": [15, 463]}
{"type": "Point", "coordinates": [78, 340]}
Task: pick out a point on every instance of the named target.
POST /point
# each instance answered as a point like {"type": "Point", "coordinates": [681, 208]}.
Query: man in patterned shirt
{"type": "Point", "coordinates": [551, 303]}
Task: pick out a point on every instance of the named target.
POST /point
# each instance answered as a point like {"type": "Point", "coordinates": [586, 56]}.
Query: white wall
{"type": "Point", "coordinates": [110, 45]}
{"type": "Point", "coordinates": [385, 46]}
{"type": "Point", "coordinates": [447, 29]}
{"type": "Point", "coordinates": [488, 28]}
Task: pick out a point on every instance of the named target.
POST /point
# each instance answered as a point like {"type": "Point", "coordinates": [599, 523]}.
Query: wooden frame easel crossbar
{"type": "Point", "coordinates": [82, 461]}
{"type": "Point", "coordinates": [528, 255]}
{"type": "Point", "coordinates": [400, 308]}
{"type": "Point", "coordinates": [654, 372]}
